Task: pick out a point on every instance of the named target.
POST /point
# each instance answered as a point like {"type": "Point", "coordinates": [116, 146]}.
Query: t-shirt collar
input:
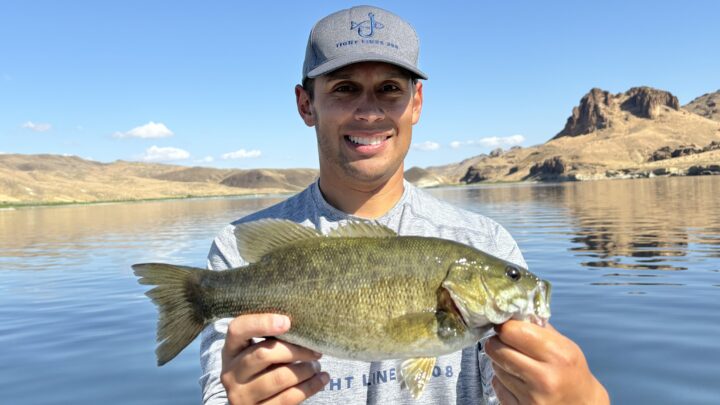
{"type": "Point", "coordinates": [334, 214]}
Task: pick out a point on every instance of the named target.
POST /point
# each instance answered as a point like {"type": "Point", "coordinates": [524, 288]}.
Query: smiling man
{"type": "Point", "coordinates": [363, 116]}
{"type": "Point", "coordinates": [361, 92]}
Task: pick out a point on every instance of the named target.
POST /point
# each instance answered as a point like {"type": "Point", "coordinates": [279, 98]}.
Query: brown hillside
{"type": "Point", "coordinates": [194, 174]}
{"type": "Point", "coordinates": [56, 179]}
{"type": "Point", "coordinates": [266, 178]}
{"type": "Point", "coordinates": [707, 105]}
{"type": "Point", "coordinates": [423, 178]}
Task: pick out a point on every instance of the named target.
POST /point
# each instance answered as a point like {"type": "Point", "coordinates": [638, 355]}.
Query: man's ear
{"type": "Point", "coordinates": [304, 106]}
{"type": "Point", "coordinates": [417, 102]}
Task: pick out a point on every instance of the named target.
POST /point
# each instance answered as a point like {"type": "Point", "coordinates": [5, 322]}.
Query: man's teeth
{"type": "Point", "coordinates": [366, 141]}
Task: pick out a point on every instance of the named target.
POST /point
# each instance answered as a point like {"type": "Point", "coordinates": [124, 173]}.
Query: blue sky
{"type": "Point", "coordinates": [211, 82]}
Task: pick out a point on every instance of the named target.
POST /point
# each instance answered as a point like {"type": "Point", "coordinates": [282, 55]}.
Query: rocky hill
{"type": "Point", "coordinates": [28, 179]}
{"type": "Point", "coordinates": [707, 105]}
{"type": "Point", "coordinates": [642, 132]}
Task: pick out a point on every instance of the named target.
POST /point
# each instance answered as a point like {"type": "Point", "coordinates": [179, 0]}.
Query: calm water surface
{"type": "Point", "coordinates": [635, 267]}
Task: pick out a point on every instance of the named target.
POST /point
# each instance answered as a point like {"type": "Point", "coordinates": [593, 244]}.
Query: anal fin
{"type": "Point", "coordinates": [416, 373]}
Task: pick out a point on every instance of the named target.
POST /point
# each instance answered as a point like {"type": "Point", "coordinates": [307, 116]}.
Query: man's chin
{"type": "Point", "coordinates": [365, 172]}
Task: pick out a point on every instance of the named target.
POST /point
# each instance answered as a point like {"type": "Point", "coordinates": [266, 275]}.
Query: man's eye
{"type": "Point", "coordinates": [390, 88]}
{"type": "Point", "coordinates": [344, 88]}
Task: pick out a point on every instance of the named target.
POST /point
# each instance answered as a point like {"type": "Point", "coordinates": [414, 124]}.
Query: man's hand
{"type": "Point", "coordinates": [536, 365]}
{"type": "Point", "coordinates": [270, 371]}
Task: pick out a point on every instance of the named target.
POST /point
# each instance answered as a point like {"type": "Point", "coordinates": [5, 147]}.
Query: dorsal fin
{"type": "Point", "coordinates": [356, 229]}
{"type": "Point", "coordinates": [257, 238]}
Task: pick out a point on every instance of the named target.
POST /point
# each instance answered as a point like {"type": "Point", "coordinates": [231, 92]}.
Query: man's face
{"type": "Point", "coordinates": [363, 116]}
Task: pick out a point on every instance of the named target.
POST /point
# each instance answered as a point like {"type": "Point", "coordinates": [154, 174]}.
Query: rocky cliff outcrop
{"type": "Point", "coordinates": [550, 169]}
{"type": "Point", "coordinates": [599, 109]}
{"type": "Point", "coordinates": [591, 115]}
{"type": "Point", "coordinates": [646, 102]}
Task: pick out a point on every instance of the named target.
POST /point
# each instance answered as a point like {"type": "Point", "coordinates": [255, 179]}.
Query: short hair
{"type": "Point", "coordinates": [308, 84]}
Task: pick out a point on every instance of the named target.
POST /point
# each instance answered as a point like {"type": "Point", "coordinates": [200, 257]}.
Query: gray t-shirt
{"type": "Point", "coordinates": [462, 377]}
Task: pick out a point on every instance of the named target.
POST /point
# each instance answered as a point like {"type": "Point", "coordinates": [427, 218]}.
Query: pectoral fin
{"type": "Point", "coordinates": [415, 374]}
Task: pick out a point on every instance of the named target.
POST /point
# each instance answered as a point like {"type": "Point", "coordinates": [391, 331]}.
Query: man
{"type": "Point", "coordinates": [362, 94]}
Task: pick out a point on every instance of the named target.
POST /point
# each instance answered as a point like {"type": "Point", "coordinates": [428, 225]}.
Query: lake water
{"type": "Point", "coordinates": [635, 267]}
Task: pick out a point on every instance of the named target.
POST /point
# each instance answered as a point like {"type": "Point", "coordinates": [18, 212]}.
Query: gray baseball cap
{"type": "Point", "coordinates": [361, 34]}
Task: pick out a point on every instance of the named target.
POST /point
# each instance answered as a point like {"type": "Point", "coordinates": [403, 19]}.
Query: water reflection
{"type": "Point", "coordinates": [630, 225]}
{"type": "Point", "coordinates": [641, 225]}
{"type": "Point", "coordinates": [68, 235]}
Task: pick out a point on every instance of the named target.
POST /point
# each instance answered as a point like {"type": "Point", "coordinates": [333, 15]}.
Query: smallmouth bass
{"type": "Point", "coordinates": [361, 292]}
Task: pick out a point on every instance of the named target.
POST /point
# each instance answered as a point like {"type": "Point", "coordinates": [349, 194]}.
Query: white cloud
{"type": "Point", "coordinates": [242, 154]}
{"type": "Point", "coordinates": [426, 146]}
{"type": "Point", "coordinates": [158, 154]}
{"type": "Point", "coordinates": [149, 130]}
{"type": "Point", "coordinates": [37, 127]}
{"type": "Point", "coordinates": [490, 142]}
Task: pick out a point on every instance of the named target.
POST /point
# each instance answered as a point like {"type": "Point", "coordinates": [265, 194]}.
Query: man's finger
{"type": "Point", "coordinates": [300, 392]}
{"type": "Point", "coordinates": [511, 382]}
{"type": "Point", "coordinates": [503, 394]}
{"type": "Point", "coordinates": [245, 327]}
{"type": "Point", "coordinates": [281, 377]}
{"type": "Point", "coordinates": [533, 340]}
{"type": "Point", "coordinates": [509, 359]}
{"type": "Point", "coordinates": [259, 356]}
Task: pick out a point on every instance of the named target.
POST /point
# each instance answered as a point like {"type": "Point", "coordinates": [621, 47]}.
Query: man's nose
{"type": "Point", "coordinates": [369, 108]}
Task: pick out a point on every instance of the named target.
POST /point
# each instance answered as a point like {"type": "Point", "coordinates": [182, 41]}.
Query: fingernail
{"type": "Point", "coordinates": [324, 378]}
{"type": "Point", "coordinates": [317, 354]}
{"type": "Point", "coordinates": [281, 321]}
{"type": "Point", "coordinates": [315, 365]}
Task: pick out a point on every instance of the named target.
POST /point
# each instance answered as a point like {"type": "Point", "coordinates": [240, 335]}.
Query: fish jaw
{"type": "Point", "coordinates": [539, 312]}
{"type": "Point", "coordinates": [489, 315]}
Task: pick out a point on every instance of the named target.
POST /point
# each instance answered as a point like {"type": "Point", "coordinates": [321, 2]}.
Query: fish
{"type": "Point", "coordinates": [361, 292]}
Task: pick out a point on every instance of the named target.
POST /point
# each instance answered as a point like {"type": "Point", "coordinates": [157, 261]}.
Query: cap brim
{"type": "Point", "coordinates": [337, 63]}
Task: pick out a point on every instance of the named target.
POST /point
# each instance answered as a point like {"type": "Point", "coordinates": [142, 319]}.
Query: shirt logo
{"type": "Point", "coordinates": [366, 28]}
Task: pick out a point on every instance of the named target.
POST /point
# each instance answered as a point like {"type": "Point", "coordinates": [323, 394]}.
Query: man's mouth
{"type": "Point", "coordinates": [366, 144]}
{"type": "Point", "coordinates": [361, 140]}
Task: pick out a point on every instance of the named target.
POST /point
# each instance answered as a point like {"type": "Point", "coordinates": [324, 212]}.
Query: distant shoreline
{"type": "Point", "coordinates": [5, 206]}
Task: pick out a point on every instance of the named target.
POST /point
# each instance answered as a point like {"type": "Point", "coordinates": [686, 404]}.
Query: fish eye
{"type": "Point", "coordinates": [513, 273]}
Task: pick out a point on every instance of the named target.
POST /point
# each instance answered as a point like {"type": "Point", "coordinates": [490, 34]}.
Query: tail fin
{"type": "Point", "coordinates": [177, 296]}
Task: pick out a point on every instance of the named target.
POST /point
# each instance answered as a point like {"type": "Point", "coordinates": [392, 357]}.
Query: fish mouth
{"type": "Point", "coordinates": [539, 300]}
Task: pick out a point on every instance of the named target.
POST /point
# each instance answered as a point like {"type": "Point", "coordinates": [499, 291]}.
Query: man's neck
{"type": "Point", "coordinates": [363, 200]}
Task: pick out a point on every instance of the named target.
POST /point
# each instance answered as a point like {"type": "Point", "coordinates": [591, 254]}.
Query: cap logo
{"type": "Point", "coordinates": [366, 28]}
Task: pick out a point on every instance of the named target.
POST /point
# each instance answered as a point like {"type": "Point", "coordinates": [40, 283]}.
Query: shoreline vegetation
{"type": "Point", "coordinates": [640, 133]}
